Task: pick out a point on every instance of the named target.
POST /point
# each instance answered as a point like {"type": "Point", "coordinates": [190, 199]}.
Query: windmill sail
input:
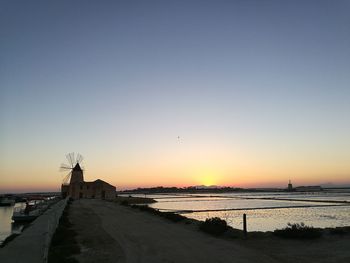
{"type": "Point", "coordinates": [75, 172]}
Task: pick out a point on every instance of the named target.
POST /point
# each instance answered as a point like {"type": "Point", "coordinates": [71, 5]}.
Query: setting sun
{"type": "Point", "coordinates": [207, 177]}
{"type": "Point", "coordinates": [208, 181]}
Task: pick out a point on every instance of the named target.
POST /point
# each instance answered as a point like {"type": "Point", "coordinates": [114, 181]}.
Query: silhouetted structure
{"type": "Point", "coordinates": [77, 188]}
{"type": "Point", "coordinates": [290, 187]}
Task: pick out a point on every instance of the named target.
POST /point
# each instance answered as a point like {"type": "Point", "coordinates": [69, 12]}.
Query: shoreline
{"type": "Point", "coordinates": [131, 201]}
{"type": "Point", "coordinates": [112, 232]}
{"type": "Point", "coordinates": [161, 212]}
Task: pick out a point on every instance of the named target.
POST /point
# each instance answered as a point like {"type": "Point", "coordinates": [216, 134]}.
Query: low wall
{"type": "Point", "coordinates": [33, 244]}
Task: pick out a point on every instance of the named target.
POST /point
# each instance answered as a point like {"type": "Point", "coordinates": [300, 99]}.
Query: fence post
{"type": "Point", "coordinates": [245, 225]}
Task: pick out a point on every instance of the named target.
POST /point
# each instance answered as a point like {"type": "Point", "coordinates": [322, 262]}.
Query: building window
{"type": "Point", "coordinates": [81, 187]}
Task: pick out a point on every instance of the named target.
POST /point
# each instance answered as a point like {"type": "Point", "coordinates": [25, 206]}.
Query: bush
{"type": "Point", "coordinates": [300, 231]}
{"type": "Point", "coordinates": [215, 226]}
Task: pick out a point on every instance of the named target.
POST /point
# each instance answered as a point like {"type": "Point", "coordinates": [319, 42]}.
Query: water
{"type": "Point", "coordinates": [265, 211]}
{"type": "Point", "coordinates": [6, 226]}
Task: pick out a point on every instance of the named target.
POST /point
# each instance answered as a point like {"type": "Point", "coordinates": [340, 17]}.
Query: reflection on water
{"type": "Point", "coordinates": [6, 225]}
{"type": "Point", "coordinates": [271, 219]}
{"type": "Point", "coordinates": [267, 211]}
{"type": "Point", "coordinates": [5, 221]}
{"type": "Point", "coordinates": [230, 204]}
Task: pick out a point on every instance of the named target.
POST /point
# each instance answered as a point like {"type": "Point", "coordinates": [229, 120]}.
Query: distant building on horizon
{"type": "Point", "coordinates": [290, 187]}
{"type": "Point", "coordinates": [78, 189]}
{"type": "Point", "coordinates": [310, 188]}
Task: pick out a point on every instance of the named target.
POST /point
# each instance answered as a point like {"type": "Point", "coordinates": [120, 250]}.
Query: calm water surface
{"type": "Point", "coordinates": [6, 226]}
{"type": "Point", "coordinates": [265, 211]}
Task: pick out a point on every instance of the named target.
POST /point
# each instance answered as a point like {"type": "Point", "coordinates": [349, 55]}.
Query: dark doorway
{"type": "Point", "coordinates": [103, 194]}
{"type": "Point", "coordinates": [80, 195]}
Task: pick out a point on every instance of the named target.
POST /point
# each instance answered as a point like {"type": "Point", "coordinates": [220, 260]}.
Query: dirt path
{"type": "Point", "coordinates": [111, 233]}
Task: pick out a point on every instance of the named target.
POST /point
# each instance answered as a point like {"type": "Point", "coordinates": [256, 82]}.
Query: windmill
{"type": "Point", "coordinates": [75, 171]}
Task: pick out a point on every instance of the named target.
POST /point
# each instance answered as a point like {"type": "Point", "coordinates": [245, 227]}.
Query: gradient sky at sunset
{"type": "Point", "coordinates": [258, 91]}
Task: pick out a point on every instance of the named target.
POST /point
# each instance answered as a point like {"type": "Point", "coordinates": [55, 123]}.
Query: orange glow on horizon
{"type": "Point", "coordinates": [191, 166]}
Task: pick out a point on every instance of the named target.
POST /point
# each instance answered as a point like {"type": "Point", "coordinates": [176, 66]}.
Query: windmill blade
{"type": "Point", "coordinates": [73, 159]}
{"type": "Point", "coordinates": [65, 167]}
{"type": "Point", "coordinates": [66, 178]}
{"type": "Point", "coordinates": [80, 158]}
{"type": "Point", "coordinates": [70, 157]}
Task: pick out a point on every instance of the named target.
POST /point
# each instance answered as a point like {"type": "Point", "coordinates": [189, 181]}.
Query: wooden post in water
{"type": "Point", "coordinates": [245, 225]}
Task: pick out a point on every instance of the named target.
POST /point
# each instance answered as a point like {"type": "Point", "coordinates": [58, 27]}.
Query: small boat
{"type": "Point", "coordinates": [4, 201]}
{"type": "Point", "coordinates": [27, 214]}
{"type": "Point", "coordinates": [21, 217]}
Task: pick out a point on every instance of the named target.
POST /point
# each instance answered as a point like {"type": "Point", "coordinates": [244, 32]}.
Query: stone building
{"type": "Point", "coordinates": [77, 188]}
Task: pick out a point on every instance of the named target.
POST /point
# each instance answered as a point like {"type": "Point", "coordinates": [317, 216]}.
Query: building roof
{"type": "Point", "coordinates": [102, 182]}
{"type": "Point", "coordinates": [96, 182]}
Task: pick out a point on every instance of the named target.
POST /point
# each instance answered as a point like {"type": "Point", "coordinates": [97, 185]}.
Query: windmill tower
{"type": "Point", "coordinates": [75, 174]}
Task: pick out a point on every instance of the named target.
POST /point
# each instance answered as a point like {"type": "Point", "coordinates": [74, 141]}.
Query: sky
{"type": "Point", "coordinates": [175, 93]}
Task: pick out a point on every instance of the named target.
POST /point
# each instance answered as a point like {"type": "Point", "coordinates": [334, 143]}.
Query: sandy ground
{"type": "Point", "coordinates": [109, 232]}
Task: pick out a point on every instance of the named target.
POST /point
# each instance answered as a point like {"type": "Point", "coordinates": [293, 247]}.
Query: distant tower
{"type": "Point", "coordinates": [290, 187]}
{"type": "Point", "coordinates": [77, 175]}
